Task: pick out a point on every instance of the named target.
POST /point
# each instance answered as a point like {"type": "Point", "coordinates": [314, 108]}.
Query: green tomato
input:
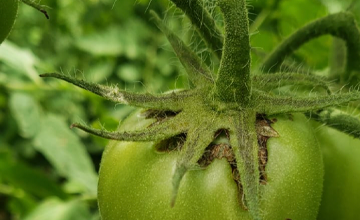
{"type": "Point", "coordinates": [8, 12]}
{"type": "Point", "coordinates": [136, 180]}
{"type": "Point", "coordinates": [341, 193]}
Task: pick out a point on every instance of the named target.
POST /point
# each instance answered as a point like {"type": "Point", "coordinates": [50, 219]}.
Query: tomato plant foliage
{"type": "Point", "coordinates": [228, 101]}
{"type": "Point", "coordinates": [8, 11]}
{"type": "Point", "coordinates": [236, 142]}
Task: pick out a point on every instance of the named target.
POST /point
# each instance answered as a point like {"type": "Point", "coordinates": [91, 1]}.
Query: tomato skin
{"type": "Point", "coordinates": [135, 180]}
{"type": "Point", "coordinates": [341, 194]}
{"type": "Point", "coordinates": [8, 12]}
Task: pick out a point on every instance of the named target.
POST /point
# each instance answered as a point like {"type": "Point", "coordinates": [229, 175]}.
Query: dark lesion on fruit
{"type": "Point", "coordinates": [171, 144]}
{"type": "Point", "coordinates": [219, 151]}
{"type": "Point", "coordinates": [159, 115]}
{"type": "Point", "coordinates": [224, 150]}
{"type": "Point", "coordinates": [264, 132]}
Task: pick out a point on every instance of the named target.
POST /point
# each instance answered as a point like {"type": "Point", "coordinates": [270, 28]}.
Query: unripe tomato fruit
{"type": "Point", "coordinates": [8, 12]}
{"type": "Point", "coordinates": [341, 194]}
{"type": "Point", "coordinates": [136, 180]}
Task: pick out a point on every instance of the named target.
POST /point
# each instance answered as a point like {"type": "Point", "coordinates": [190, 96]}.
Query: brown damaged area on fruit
{"type": "Point", "coordinates": [159, 116]}
{"type": "Point", "coordinates": [264, 132]}
{"type": "Point", "coordinates": [221, 150]}
{"type": "Point", "coordinates": [218, 151]}
{"type": "Point", "coordinates": [171, 144]}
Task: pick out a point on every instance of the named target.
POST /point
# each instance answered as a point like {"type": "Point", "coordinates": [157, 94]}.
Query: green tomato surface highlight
{"type": "Point", "coordinates": [341, 194]}
{"type": "Point", "coordinates": [8, 12]}
{"type": "Point", "coordinates": [135, 180]}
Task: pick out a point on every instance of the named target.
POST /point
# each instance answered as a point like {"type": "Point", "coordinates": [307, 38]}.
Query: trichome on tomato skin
{"type": "Point", "coordinates": [231, 99]}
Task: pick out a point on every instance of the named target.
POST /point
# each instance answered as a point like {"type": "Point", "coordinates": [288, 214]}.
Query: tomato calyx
{"type": "Point", "coordinates": [220, 147]}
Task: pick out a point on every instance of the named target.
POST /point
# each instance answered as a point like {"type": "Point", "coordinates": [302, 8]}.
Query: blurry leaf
{"type": "Point", "coordinates": [20, 59]}
{"type": "Point", "coordinates": [292, 17]}
{"type": "Point", "coordinates": [22, 204]}
{"type": "Point", "coordinates": [68, 104]}
{"type": "Point", "coordinates": [99, 71]}
{"type": "Point", "coordinates": [134, 36]}
{"type": "Point", "coordinates": [106, 42]}
{"type": "Point", "coordinates": [263, 3]}
{"type": "Point", "coordinates": [355, 9]}
{"type": "Point", "coordinates": [335, 6]}
{"type": "Point", "coordinates": [292, 14]}
{"type": "Point", "coordinates": [129, 73]}
{"type": "Point", "coordinates": [162, 63]}
{"type": "Point", "coordinates": [55, 209]}
{"type": "Point", "coordinates": [30, 180]}
{"type": "Point", "coordinates": [264, 40]}
{"type": "Point", "coordinates": [126, 40]}
{"type": "Point", "coordinates": [66, 153]}
{"type": "Point", "coordinates": [26, 112]}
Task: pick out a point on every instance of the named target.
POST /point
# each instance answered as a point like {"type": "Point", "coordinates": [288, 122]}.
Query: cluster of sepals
{"type": "Point", "coordinates": [231, 99]}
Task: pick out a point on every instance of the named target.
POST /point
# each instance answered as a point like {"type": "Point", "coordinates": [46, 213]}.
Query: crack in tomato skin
{"type": "Point", "coordinates": [224, 150]}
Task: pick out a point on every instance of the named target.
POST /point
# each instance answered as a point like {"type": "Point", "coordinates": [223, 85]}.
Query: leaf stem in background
{"type": "Point", "coordinates": [338, 120]}
{"type": "Point", "coordinates": [11, 191]}
{"type": "Point", "coordinates": [41, 8]}
{"type": "Point", "coordinates": [342, 25]}
{"type": "Point", "coordinates": [337, 60]}
{"type": "Point", "coordinates": [272, 104]}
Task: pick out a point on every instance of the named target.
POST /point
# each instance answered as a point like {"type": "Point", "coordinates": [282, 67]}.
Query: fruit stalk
{"type": "Point", "coordinates": [233, 83]}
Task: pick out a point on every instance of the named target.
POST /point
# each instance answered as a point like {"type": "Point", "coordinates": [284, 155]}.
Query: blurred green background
{"type": "Point", "coordinates": [47, 170]}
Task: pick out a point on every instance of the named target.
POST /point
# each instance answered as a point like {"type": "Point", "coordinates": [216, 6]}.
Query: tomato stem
{"type": "Point", "coordinates": [233, 83]}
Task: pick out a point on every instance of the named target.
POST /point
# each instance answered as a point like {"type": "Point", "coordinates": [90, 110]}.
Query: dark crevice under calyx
{"type": "Point", "coordinates": [220, 149]}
